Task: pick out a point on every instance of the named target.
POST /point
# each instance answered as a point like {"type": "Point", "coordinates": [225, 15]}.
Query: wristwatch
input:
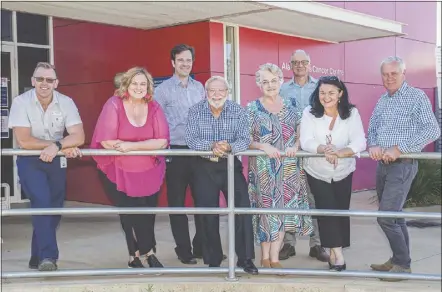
{"type": "Point", "coordinates": [58, 145]}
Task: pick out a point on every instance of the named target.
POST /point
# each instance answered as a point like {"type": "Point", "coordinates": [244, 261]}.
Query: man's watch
{"type": "Point", "coordinates": [58, 145]}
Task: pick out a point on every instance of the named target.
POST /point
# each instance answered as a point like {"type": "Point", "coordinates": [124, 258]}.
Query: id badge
{"type": "Point", "coordinates": [63, 162]}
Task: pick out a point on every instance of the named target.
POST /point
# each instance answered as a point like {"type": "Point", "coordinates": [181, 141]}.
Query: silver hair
{"type": "Point", "coordinates": [394, 59]}
{"type": "Point", "coordinates": [272, 68]}
{"type": "Point", "coordinates": [213, 78]}
{"type": "Point", "coordinates": [301, 52]}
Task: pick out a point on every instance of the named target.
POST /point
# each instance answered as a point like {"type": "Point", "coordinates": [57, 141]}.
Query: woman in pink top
{"type": "Point", "coordinates": [130, 120]}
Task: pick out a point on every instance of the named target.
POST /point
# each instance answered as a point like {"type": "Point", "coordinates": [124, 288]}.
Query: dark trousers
{"type": "Point", "coordinates": [393, 182]}
{"type": "Point", "coordinates": [209, 179]}
{"type": "Point", "coordinates": [334, 231]}
{"type": "Point", "coordinates": [142, 225]}
{"type": "Point", "coordinates": [44, 184]}
{"type": "Point", "coordinates": [178, 177]}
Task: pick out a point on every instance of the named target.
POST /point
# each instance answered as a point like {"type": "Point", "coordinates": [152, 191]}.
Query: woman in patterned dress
{"type": "Point", "coordinates": [275, 181]}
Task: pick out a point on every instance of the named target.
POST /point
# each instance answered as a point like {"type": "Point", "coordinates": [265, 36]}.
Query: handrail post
{"type": "Point", "coordinates": [231, 217]}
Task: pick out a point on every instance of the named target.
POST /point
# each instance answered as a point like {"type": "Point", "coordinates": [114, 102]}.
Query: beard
{"type": "Point", "coordinates": [217, 104]}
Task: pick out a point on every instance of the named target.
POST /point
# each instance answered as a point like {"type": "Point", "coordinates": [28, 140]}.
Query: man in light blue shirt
{"type": "Point", "coordinates": [298, 90]}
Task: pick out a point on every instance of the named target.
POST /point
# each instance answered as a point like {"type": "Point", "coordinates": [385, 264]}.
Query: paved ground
{"type": "Point", "coordinates": [88, 242]}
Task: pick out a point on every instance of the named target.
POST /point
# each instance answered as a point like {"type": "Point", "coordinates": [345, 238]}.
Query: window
{"type": "Point", "coordinates": [230, 61]}
{"type": "Point", "coordinates": [6, 25]}
{"type": "Point", "coordinates": [32, 29]}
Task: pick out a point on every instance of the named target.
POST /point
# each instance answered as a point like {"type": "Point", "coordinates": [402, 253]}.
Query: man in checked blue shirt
{"type": "Point", "coordinates": [402, 122]}
{"type": "Point", "coordinates": [220, 125]}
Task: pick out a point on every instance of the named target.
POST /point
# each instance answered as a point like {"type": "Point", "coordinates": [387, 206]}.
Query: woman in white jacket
{"type": "Point", "coordinates": [332, 126]}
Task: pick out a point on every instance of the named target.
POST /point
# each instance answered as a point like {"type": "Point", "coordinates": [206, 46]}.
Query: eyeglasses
{"type": "Point", "coordinates": [48, 80]}
{"type": "Point", "coordinates": [272, 82]}
{"type": "Point", "coordinates": [214, 91]}
{"type": "Point", "coordinates": [297, 63]}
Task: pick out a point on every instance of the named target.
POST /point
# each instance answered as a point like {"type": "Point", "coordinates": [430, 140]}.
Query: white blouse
{"type": "Point", "coordinates": [348, 133]}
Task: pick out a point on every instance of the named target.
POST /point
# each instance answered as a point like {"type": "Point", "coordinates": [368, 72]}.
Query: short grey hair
{"type": "Point", "coordinates": [301, 52]}
{"type": "Point", "coordinates": [272, 68]}
{"type": "Point", "coordinates": [394, 59]}
{"type": "Point", "coordinates": [213, 78]}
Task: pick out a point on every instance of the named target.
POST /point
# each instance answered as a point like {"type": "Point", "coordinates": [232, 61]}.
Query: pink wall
{"type": "Point", "coordinates": [357, 63]}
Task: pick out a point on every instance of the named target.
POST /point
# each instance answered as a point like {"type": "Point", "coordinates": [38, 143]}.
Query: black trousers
{"type": "Point", "coordinates": [142, 225]}
{"type": "Point", "coordinates": [334, 231]}
{"type": "Point", "coordinates": [178, 178]}
{"type": "Point", "coordinates": [209, 179]}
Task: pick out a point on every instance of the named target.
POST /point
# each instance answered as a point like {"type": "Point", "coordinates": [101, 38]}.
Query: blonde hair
{"type": "Point", "coordinates": [44, 65]}
{"type": "Point", "coordinates": [272, 68]}
{"type": "Point", "coordinates": [117, 79]}
{"type": "Point", "coordinates": [126, 79]}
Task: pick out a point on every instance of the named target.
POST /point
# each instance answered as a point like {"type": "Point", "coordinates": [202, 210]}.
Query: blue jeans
{"type": "Point", "coordinates": [393, 182]}
{"type": "Point", "coordinates": [44, 184]}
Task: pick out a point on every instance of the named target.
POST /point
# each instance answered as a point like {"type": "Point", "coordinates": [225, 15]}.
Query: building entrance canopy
{"type": "Point", "coordinates": [309, 19]}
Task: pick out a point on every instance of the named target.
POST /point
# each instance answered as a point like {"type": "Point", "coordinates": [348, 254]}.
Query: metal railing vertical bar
{"type": "Point", "coordinates": [231, 217]}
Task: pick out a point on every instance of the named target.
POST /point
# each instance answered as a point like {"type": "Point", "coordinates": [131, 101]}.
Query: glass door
{"type": "Point", "coordinates": [8, 91]}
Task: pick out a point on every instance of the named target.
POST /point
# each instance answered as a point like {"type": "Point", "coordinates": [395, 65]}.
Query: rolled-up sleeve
{"type": "Point", "coordinates": [358, 142]}
{"type": "Point", "coordinates": [72, 114]}
{"type": "Point", "coordinates": [307, 133]}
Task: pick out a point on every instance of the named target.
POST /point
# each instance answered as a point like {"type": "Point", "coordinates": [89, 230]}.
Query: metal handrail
{"type": "Point", "coordinates": [231, 211]}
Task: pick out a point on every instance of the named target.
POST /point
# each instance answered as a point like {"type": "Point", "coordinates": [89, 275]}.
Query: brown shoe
{"type": "Point", "coordinates": [265, 263]}
{"type": "Point", "coordinates": [286, 251]}
{"type": "Point", "coordinates": [385, 267]}
{"type": "Point", "coordinates": [319, 253]}
{"type": "Point", "coordinates": [396, 269]}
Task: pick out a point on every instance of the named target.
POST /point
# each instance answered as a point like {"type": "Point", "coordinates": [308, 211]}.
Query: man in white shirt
{"type": "Point", "coordinates": [39, 118]}
{"type": "Point", "coordinates": [298, 91]}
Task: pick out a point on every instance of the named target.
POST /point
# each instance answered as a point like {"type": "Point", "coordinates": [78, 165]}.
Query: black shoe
{"type": "Point", "coordinates": [287, 251]}
{"type": "Point", "coordinates": [337, 268]}
{"type": "Point", "coordinates": [319, 253]}
{"type": "Point", "coordinates": [188, 261]}
{"type": "Point", "coordinates": [213, 266]}
{"type": "Point", "coordinates": [47, 265]}
{"type": "Point", "coordinates": [33, 263]}
{"type": "Point", "coordinates": [248, 266]}
{"type": "Point", "coordinates": [153, 262]}
{"type": "Point", "coordinates": [135, 263]}
{"type": "Point", "coordinates": [200, 256]}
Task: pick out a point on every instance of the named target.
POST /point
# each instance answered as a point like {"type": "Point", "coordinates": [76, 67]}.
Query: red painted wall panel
{"type": "Point", "coordinates": [88, 55]}
{"type": "Point", "coordinates": [363, 59]}
{"type": "Point", "coordinates": [420, 60]}
{"type": "Point", "coordinates": [217, 48]}
{"type": "Point", "coordinates": [421, 20]}
{"type": "Point", "coordinates": [256, 48]}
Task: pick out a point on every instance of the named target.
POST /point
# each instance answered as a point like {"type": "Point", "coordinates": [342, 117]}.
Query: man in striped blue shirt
{"type": "Point", "coordinates": [176, 96]}
{"type": "Point", "coordinates": [220, 125]}
{"type": "Point", "coordinates": [402, 122]}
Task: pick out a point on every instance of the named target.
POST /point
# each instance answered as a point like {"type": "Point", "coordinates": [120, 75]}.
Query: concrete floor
{"type": "Point", "coordinates": [88, 242]}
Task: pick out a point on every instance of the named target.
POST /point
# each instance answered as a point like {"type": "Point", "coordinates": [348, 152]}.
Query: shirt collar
{"type": "Point", "coordinates": [54, 96]}
{"type": "Point", "coordinates": [177, 81]}
{"type": "Point", "coordinates": [400, 91]}
{"type": "Point", "coordinates": [311, 80]}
